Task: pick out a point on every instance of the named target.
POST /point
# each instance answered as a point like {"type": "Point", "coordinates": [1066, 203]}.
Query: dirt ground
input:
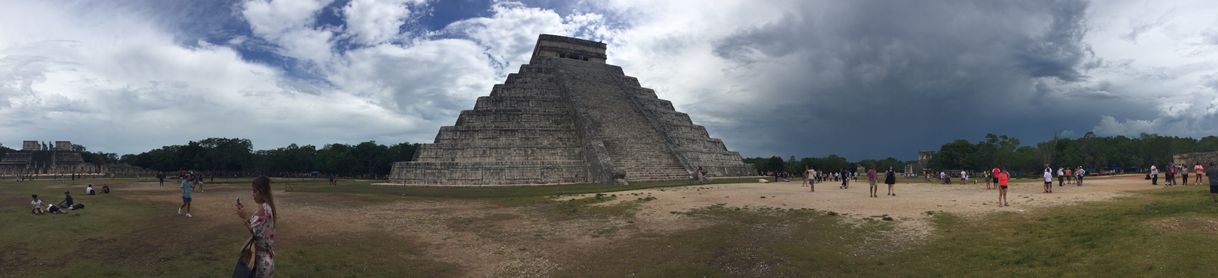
{"type": "Point", "coordinates": [491, 239]}
{"type": "Point", "coordinates": [911, 200]}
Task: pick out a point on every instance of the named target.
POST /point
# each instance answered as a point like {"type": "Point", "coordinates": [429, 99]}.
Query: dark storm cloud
{"type": "Point", "coordinates": [880, 78]}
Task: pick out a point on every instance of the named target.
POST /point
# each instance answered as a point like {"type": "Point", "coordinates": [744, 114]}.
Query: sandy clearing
{"type": "Point", "coordinates": [912, 200]}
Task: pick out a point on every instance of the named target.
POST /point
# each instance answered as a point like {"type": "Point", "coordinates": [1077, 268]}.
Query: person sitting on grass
{"type": "Point", "coordinates": [67, 200]}
{"type": "Point", "coordinates": [105, 189]}
{"type": "Point", "coordinates": [53, 209]}
{"type": "Point", "coordinates": [89, 190]}
{"type": "Point", "coordinates": [37, 206]}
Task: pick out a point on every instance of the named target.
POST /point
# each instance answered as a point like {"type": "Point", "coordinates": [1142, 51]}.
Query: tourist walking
{"type": "Point", "coordinates": [1048, 180]}
{"type": "Point", "coordinates": [187, 187]}
{"type": "Point", "coordinates": [1154, 175]}
{"type": "Point", "coordinates": [808, 173]}
{"type": "Point", "coordinates": [261, 225]}
{"type": "Point", "coordinates": [871, 179]}
{"type": "Point", "coordinates": [890, 178]}
{"type": "Point", "coordinates": [1079, 175]}
{"type": "Point", "coordinates": [1002, 187]}
{"type": "Point", "coordinates": [1061, 176]}
{"type": "Point", "coordinates": [845, 179]}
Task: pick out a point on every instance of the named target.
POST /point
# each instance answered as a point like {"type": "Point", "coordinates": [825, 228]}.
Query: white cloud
{"type": "Point", "coordinates": [116, 78]}
{"type": "Point", "coordinates": [509, 34]}
{"type": "Point", "coordinates": [289, 24]}
{"type": "Point", "coordinates": [372, 22]}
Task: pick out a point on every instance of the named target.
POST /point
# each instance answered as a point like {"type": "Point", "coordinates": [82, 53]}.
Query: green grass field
{"type": "Point", "coordinates": [1165, 233]}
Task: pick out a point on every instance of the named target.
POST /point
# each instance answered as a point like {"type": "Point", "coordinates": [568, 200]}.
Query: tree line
{"type": "Point", "coordinates": [832, 162]}
{"type": "Point", "coordinates": [236, 156]}
{"type": "Point", "coordinates": [1115, 153]}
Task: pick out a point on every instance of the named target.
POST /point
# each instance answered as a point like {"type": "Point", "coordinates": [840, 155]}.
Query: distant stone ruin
{"type": "Point", "coordinates": [37, 158]}
{"type": "Point", "coordinates": [1191, 158]}
{"type": "Point", "coordinates": [567, 117]}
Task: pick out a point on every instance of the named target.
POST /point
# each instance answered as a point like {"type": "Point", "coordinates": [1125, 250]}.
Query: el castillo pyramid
{"type": "Point", "coordinates": [568, 117]}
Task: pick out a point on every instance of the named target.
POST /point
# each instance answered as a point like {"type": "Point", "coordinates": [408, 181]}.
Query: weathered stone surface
{"type": "Point", "coordinates": [567, 117]}
{"type": "Point", "coordinates": [1191, 158]}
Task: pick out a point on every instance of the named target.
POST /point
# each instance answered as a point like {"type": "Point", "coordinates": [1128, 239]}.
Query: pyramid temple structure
{"type": "Point", "coordinates": [568, 117]}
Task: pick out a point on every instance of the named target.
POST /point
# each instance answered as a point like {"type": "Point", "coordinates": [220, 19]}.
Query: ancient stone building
{"type": "Point", "coordinates": [567, 117]}
{"type": "Point", "coordinates": [1190, 158]}
{"type": "Point", "coordinates": [37, 158]}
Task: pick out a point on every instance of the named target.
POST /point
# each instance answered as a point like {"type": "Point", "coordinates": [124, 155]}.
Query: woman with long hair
{"type": "Point", "coordinates": [262, 225]}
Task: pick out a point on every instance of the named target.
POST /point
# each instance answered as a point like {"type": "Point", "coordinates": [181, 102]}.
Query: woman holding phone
{"type": "Point", "coordinates": [262, 225]}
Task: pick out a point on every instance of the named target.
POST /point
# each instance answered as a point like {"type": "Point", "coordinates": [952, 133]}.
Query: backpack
{"type": "Point", "coordinates": [78, 206]}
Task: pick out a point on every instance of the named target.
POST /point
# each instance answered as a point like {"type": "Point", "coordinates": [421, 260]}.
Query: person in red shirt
{"type": "Point", "coordinates": [994, 176]}
{"type": "Point", "coordinates": [1002, 188]}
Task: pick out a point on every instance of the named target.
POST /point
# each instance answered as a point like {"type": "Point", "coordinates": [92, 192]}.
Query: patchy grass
{"type": "Point", "coordinates": [124, 234]}
{"type": "Point", "coordinates": [1170, 233]}
{"type": "Point", "coordinates": [1125, 237]}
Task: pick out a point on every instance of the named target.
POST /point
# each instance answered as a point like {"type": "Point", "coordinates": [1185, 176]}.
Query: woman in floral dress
{"type": "Point", "coordinates": [262, 225]}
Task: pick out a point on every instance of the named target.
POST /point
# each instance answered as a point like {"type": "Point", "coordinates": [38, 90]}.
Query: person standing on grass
{"type": "Point", "coordinates": [890, 178]}
{"type": "Point", "coordinates": [161, 177]}
{"type": "Point", "coordinates": [1200, 171]}
{"type": "Point", "coordinates": [871, 180]}
{"type": "Point", "coordinates": [1212, 172]}
{"type": "Point", "coordinates": [963, 177]}
{"type": "Point", "coordinates": [994, 176]}
{"type": "Point", "coordinates": [187, 187]}
{"type": "Point", "coordinates": [1069, 175]}
{"type": "Point", "coordinates": [1183, 174]}
{"type": "Point", "coordinates": [812, 177]}
{"type": "Point", "coordinates": [1171, 175]}
{"type": "Point", "coordinates": [1002, 188]}
{"type": "Point", "coordinates": [261, 225]}
{"type": "Point", "coordinates": [1154, 175]}
{"type": "Point", "coordinates": [1048, 180]}
{"type": "Point", "coordinates": [1061, 176]}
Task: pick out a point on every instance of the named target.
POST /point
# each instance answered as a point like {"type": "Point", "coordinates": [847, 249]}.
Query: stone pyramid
{"type": "Point", "coordinates": [567, 117]}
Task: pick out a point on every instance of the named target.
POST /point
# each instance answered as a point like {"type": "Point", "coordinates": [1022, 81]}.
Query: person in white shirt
{"type": "Point", "coordinates": [1154, 175]}
{"type": "Point", "coordinates": [89, 190]}
{"type": "Point", "coordinates": [1048, 180]}
{"type": "Point", "coordinates": [1061, 176]}
{"type": "Point", "coordinates": [36, 205]}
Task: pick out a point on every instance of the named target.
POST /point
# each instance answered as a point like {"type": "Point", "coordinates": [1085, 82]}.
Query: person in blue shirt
{"type": "Point", "coordinates": [186, 188]}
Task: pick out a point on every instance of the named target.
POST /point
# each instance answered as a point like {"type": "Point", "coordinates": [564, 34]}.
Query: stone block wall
{"type": "Point", "coordinates": [565, 119]}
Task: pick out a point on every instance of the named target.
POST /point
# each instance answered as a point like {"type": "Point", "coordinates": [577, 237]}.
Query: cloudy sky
{"type": "Point", "coordinates": [864, 79]}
